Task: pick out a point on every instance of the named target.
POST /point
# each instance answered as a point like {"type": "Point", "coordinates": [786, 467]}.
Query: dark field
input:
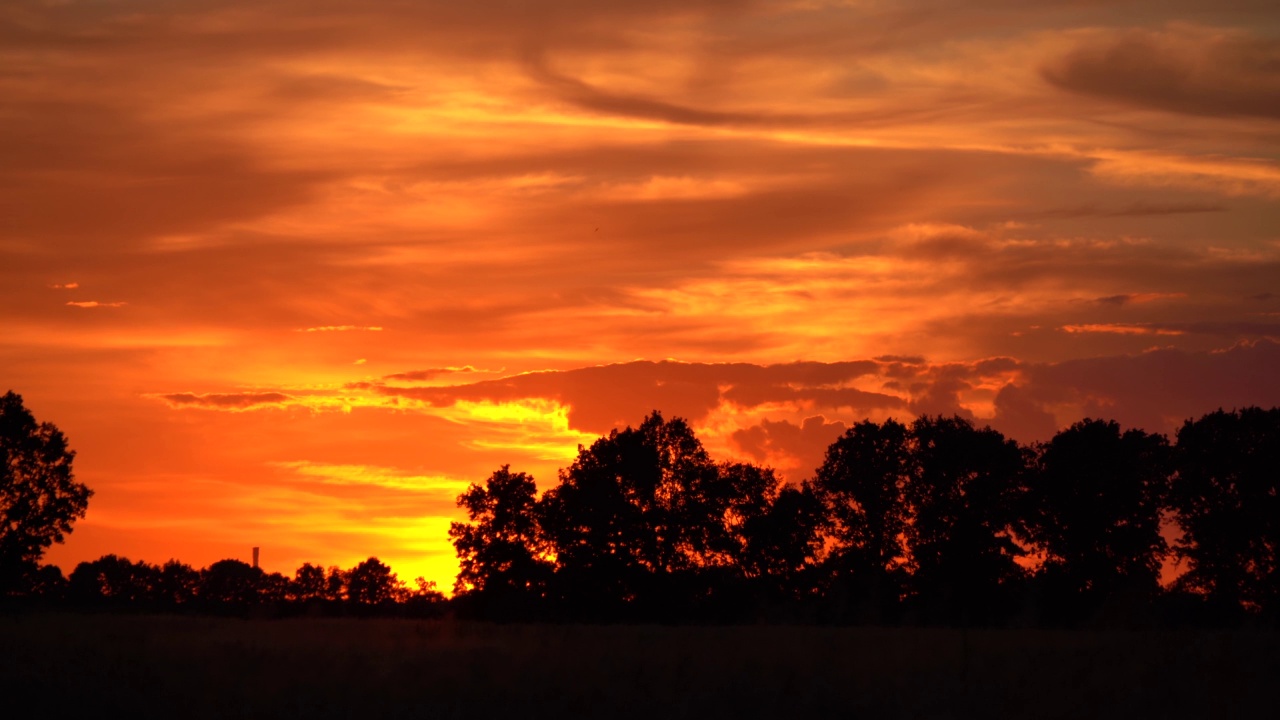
{"type": "Point", "coordinates": [180, 667]}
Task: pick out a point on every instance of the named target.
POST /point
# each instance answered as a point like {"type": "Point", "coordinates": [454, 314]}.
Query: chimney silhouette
{"type": "Point", "coordinates": [255, 558]}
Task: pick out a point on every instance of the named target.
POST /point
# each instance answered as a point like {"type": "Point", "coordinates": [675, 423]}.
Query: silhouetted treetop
{"type": "Point", "coordinates": [39, 498]}
{"type": "Point", "coordinates": [1225, 494]}
{"type": "Point", "coordinates": [965, 498]}
{"type": "Point", "coordinates": [500, 549]}
{"type": "Point", "coordinates": [861, 482]}
{"type": "Point", "coordinates": [1096, 495]}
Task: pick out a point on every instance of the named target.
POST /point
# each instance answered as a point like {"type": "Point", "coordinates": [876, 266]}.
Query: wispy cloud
{"type": "Point", "coordinates": [95, 304]}
{"type": "Point", "coordinates": [341, 328]}
{"type": "Point", "coordinates": [1120, 329]}
{"type": "Point", "coordinates": [373, 475]}
{"type": "Point", "coordinates": [228, 401]}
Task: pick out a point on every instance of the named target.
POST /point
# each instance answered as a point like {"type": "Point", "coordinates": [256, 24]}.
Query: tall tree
{"type": "Point", "coordinates": [500, 555]}
{"type": "Point", "coordinates": [1226, 496]}
{"type": "Point", "coordinates": [1095, 500]}
{"type": "Point", "coordinates": [861, 483]}
{"type": "Point", "coordinates": [39, 498]}
{"type": "Point", "coordinates": [964, 495]}
{"type": "Point", "coordinates": [636, 510]}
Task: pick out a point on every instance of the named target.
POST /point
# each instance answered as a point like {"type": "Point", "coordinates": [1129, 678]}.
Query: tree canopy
{"type": "Point", "coordinates": [39, 497]}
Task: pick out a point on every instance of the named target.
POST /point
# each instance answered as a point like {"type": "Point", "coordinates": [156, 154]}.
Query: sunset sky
{"type": "Point", "coordinates": [292, 273]}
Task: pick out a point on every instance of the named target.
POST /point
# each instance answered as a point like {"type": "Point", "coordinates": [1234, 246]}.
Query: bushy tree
{"type": "Point", "coordinates": [1226, 496]}
{"type": "Point", "coordinates": [633, 518]}
{"type": "Point", "coordinates": [372, 583]}
{"type": "Point", "coordinates": [1095, 500]}
{"type": "Point", "coordinates": [861, 484]}
{"type": "Point", "coordinates": [39, 498]}
{"type": "Point", "coordinates": [231, 583]}
{"type": "Point", "coordinates": [965, 495]}
{"type": "Point", "coordinates": [500, 550]}
{"type": "Point", "coordinates": [114, 580]}
{"type": "Point", "coordinates": [177, 583]}
{"type": "Point", "coordinates": [309, 583]}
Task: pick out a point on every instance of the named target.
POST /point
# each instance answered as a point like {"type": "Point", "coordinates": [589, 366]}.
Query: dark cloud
{"type": "Point", "coordinates": [1155, 390]}
{"type": "Point", "coordinates": [801, 447]}
{"type": "Point", "coordinates": [604, 397]}
{"type": "Point", "coordinates": [228, 401]}
{"type": "Point", "coordinates": [940, 397]}
{"type": "Point", "coordinates": [1019, 415]}
{"type": "Point", "coordinates": [1197, 71]}
{"type": "Point", "coordinates": [429, 374]}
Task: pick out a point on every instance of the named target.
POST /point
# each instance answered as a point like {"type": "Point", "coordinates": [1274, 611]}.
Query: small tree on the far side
{"type": "Point", "coordinates": [372, 583]}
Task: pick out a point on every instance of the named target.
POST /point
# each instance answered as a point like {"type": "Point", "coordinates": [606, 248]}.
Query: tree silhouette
{"type": "Point", "coordinates": [500, 550]}
{"type": "Point", "coordinates": [176, 584]}
{"type": "Point", "coordinates": [309, 584]}
{"type": "Point", "coordinates": [964, 495]}
{"type": "Point", "coordinates": [1224, 494]}
{"type": "Point", "coordinates": [230, 583]}
{"type": "Point", "coordinates": [1095, 498]}
{"type": "Point", "coordinates": [114, 580]}
{"type": "Point", "coordinates": [633, 516]}
{"type": "Point", "coordinates": [39, 498]}
{"type": "Point", "coordinates": [372, 583]}
{"type": "Point", "coordinates": [861, 484]}
{"type": "Point", "coordinates": [781, 545]}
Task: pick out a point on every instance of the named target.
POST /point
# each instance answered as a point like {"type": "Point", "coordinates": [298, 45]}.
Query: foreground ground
{"type": "Point", "coordinates": [180, 667]}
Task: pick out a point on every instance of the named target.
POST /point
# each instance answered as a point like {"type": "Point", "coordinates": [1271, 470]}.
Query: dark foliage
{"type": "Point", "coordinates": [39, 498]}
{"type": "Point", "coordinates": [1095, 496]}
{"type": "Point", "coordinates": [861, 483]}
{"type": "Point", "coordinates": [965, 492]}
{"type": "Point", "coordinates": [502, 569]}
{"type": "Point", "coordinates": [1224, 493]}
{"type": "Point", "coordinates": [936, 523]}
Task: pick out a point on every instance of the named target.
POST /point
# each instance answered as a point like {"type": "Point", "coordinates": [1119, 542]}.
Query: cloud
{"type": "Point", "coordinates": [375, 476]}
{"type": "Point", "coordinates": [1182, 68]}
{"type": "Point", "coordinates": [432, 373]}
{"type": "Point", "coordinates": [1154, 390]}
{"type": "Point", "coordinates": [95, 304]}
{"type": "Point", "coordinates": [1119, 329]}
{"type": "Point", "coordinates": [228, 401]}
{"type": "Point", "coordinates": [796, 450]}
{"type": "Point", "coordinates": [603, 397]}
{"type": "Point", "coordinates": [1019, 415]}
{"type": "Point", "coordinates": [65, 286]}
{"type": "Point", "coordinates": [1129, 298]}
{"type": "Point", "coordinates": [341, 328]}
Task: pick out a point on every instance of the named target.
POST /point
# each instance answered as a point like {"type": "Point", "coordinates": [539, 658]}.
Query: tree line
{"type": "Point", "coordinates": [936, 522]}
{"type": "Point", "coordinates": [231, 587]}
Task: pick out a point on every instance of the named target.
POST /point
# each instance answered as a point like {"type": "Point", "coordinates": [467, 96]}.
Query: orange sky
{"type": "Point", "coordinates": [292, 273]}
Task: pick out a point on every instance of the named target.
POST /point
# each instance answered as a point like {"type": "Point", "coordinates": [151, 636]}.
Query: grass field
{"type": "Point", "coordinates": [182, 667]}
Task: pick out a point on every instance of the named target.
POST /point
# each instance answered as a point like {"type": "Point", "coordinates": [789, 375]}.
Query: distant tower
{"type": "Point", "coordinates": [255, 558]}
